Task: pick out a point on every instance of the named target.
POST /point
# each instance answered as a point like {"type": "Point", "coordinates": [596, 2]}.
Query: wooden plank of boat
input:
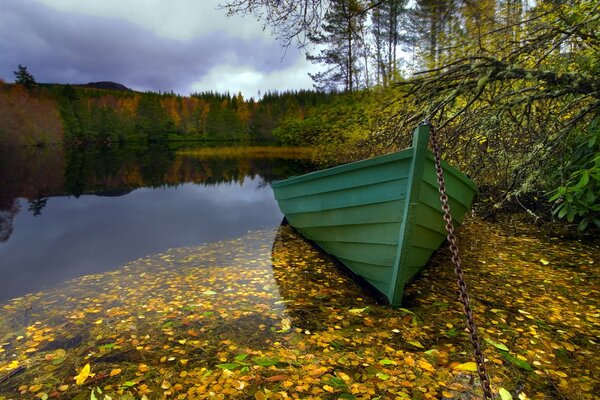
{"type": "Point", "coordinates": [380, 217]}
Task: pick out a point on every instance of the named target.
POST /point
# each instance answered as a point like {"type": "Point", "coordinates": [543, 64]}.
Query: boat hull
{"type": "Point", "coordinates": [380, 217]}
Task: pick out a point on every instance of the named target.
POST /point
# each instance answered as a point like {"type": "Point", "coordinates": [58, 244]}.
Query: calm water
{"type": "Point", "coordinates": [65, 214]}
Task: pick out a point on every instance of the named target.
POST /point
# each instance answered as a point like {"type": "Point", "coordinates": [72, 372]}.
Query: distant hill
{"type": "Point", "coordinates": [107, 85]}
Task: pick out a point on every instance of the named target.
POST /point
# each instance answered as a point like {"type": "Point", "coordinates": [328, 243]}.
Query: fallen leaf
{"type": "Point", "coordinates": [83, 374]}
{"type": "Point", "coordinates": [357, 310]}
{"type": "Point", "coordinates": [468, 366]}
{"type": "Point", "coordinates": [497, 345]}
{"type": "Point", "coordinates": [504, 394]}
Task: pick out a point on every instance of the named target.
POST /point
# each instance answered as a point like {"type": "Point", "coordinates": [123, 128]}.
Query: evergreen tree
{"type": "Point", "coordinates": [342, 37]}
{"type": "Point", "coordinates": [387, 30]}
{"type": "Point", "coordinates": [435, 23]}
{"type": "Point", "coordinates": [23, 77]}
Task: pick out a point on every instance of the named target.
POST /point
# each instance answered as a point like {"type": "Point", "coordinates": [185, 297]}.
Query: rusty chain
{"type": "Point", "coordinates": [460, 278]}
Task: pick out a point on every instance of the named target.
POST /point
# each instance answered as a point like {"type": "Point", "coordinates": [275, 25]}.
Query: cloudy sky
{"type": "Point", "coordinates": [158, 45]}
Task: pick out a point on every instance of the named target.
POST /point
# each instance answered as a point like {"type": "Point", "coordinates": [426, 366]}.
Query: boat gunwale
{"type": "Point", "coordinates": [447, 168]}
{"type": "Point", "coordinates": [369, 162]}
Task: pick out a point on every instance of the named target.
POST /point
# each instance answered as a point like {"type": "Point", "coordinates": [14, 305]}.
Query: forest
{"type": "Point", "coordinates": [512, 87]}
{"type": "Point", "coordinates": [38, 114]}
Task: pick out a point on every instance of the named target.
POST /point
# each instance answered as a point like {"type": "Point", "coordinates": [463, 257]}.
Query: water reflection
{"type": "Point", "coordinates": [70, 213]}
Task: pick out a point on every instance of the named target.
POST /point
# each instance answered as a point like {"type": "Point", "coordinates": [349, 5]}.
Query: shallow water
{"type": "Point", "coordinates": [68, 213]}
{"type": "Point", "coordinates": [268, 316]}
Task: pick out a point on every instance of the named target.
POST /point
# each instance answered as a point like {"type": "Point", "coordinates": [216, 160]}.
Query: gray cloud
{"type": "Point", "coordinates": [65, 47]}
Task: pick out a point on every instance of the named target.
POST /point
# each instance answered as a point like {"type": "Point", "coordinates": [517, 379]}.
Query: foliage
{"type": "Point", "coordinates": [389, 32]}
{"type": "Point", "coordinates": [579, 196]}
{"type": "Point", "coordinates": [344, 120]}
{"type": "Point", "coordinates": [23, 77]}
{"type": "Point", "coordinates": [508, 84]}
{"type": "Point", "coordinates": [92, 115]}
{"type": "Point", "coordinates": [341, 36]}
{"type": "Point", "coordinates": [229, 320]}
{"type": "Point", "coordinates": [28, 117]}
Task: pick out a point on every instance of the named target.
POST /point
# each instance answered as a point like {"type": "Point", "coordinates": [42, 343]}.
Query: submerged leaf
{"type": "Point", "coordinates": [228, 366]}
{"type": "Point", "coordinates": [83, 374]}
{"type": "Point", "coordinates": [416, 344]}
{"type": "Point", "coordinates": [497, 345]}
{"type": "Point", "coordinates": [357, 310]}
{"type": "Point", "coordinates": [382, 376]}
{"type": "Point", "coordinates": [265, 361]}
{"type": "Point", "coordinates": [517, 361]}
{"type": "Point", "coordinates": [504, 394]}
{"type": "Point", "coordinates": [468, 366]}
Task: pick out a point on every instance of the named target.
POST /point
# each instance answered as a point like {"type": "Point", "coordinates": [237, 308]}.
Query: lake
{"type": "Point", "coordinates": [160, 272]}
{"type": "Point", "coordinates": [67, 213]}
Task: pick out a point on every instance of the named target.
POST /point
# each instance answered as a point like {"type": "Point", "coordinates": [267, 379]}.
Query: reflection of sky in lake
{"type": "Point", "coordinates": [91, 234]}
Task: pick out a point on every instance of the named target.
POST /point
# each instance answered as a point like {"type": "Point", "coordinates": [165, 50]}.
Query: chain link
{"type": "Point", "coordinates": [460, 278]}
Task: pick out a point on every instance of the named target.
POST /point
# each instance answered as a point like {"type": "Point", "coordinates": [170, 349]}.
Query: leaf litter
{"type": "Point", "coordinates": [267, 316]}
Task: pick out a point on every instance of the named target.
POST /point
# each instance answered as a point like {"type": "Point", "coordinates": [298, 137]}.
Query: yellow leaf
{"type": "Point", "coordinates": [426, 366]}
{"type": "Point", "coordinates": [468, 366]}
{"type": "Point", "coordinates": [328, 388]}
{"type": "Point", "coordinates": [285, 324]}
{"type": "Point", "coordinates": [115, 371]}
{"type": "Point", "coordinates": [544, 262]}
{"type": "Point", "coordinates": [83, 375]}
{"type": "Point", "coordinates": [260, 396]}
{"type": "Point", "coordinates": [504, 394]}
{"type": "Point", "coordinates": [416, 344]}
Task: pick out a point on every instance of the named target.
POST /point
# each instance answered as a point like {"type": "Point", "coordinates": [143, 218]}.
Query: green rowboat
{"type": "Point", "coordinates": [380, 217]}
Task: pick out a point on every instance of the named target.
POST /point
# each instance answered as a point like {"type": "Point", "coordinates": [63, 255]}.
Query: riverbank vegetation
{"type": "Point", "coordinates": [513, 88]}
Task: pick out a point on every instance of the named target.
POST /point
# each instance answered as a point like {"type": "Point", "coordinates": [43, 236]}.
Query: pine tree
{"type": "Point", "coordinates": [387, 31]}
{"type": "Point", "coordinates": [342, 37]}
{"type": "Point", "coordinates": [22, 77]}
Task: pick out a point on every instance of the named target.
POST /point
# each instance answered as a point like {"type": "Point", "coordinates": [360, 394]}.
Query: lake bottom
{"type": "Point", "coordinates": [267, 316]}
